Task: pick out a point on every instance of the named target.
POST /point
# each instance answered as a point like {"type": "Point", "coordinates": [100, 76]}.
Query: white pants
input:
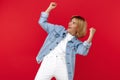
{"type": "Point", "coordinates": [52, 66]}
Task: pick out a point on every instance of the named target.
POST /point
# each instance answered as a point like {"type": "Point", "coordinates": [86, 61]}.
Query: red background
{"type": "Point", "coordinates": [21, 37]}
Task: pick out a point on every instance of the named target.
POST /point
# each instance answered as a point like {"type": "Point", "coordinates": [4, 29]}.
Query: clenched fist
{"type": "Point", "coordinates": [52, 5]}
{"type": "Point", "coordinates": [92, 30]}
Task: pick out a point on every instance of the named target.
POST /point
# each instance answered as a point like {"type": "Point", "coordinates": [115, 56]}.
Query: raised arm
{"type": "Point", "coordinates": [48, 27]}
{"type": "Point", "coordinates": [84, 47]}
{"type": "Point", "coordinates": [92, 32]}
{"type": "Point", "coordinates": [51, 7]}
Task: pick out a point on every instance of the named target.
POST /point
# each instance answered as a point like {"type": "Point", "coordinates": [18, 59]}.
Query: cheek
{"type": "Point", "coordinates": [75, 27]}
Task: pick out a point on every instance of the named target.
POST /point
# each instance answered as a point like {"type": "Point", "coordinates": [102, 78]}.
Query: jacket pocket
{"type": "Point", "coordinates": [53, 36]}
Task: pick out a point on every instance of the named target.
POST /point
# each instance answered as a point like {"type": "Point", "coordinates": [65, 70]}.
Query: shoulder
{"type": "Point", "coordinates": [78, 42]}
{"type": "Point", "coordinates": [59, 27]}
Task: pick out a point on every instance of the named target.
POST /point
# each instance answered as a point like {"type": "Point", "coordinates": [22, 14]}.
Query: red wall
{"type": "Point", "coordinates": [21, 37]}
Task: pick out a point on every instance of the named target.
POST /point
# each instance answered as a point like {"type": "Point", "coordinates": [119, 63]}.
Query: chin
{"type": "Point", "coordinates": [68, 30]}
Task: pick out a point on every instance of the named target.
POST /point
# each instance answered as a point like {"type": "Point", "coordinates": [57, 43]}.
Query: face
{"type": "Point", "coordinates": [72, 26]}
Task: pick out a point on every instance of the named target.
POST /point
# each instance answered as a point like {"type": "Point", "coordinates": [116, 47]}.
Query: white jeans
{"type": "Point", "coordinates": [52, 66]}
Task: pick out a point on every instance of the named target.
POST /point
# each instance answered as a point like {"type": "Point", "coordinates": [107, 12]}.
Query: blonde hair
{"type": "Point", "coordinates": [82, 26]}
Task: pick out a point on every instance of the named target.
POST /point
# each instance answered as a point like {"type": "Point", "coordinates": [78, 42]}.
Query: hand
{"type": "Point", "coordinates": [92, 31]}
{"type": "Point", "coordinates": [52, 5]}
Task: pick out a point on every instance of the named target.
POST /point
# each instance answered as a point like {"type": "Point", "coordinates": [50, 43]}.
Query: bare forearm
{"type": "Point", "coordinates": [51, 7]}
{"type": "Point", "coordinates": [92, 32]}
{"type": "Point", "coordinates": [89, 40]}
{"type": "Point", "coordinates": [48, 10]}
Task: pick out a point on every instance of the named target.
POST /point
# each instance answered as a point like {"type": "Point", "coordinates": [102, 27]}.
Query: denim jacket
{"type": "Point", "coordinates": [55, 34]}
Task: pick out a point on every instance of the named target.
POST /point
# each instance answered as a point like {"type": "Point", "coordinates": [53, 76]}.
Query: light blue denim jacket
{"type": "Point", "coordinates": [55, 34]}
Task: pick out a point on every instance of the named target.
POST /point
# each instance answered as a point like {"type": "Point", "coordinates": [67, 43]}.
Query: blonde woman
{"type": "Point", "coordinates": [61, 46]}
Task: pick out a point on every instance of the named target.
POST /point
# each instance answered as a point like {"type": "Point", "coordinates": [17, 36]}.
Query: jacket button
{"type": "Point", "coordinates": [68, 63]}
{"type": "Point", "coordinates": [69, 72]}
{"type": "Point", "coordinates": [56, 42]}
{"type": "Point", "coordinates": [57, 35]}
{"type": "Point", "coordinates": [68, 54]}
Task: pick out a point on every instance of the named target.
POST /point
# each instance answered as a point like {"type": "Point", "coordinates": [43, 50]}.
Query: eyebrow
{"type": "Point", "coordinates": [74, 22]}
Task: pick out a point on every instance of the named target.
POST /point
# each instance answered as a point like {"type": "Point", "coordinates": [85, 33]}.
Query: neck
{"type": "Point", "coordinates": [72, 33]}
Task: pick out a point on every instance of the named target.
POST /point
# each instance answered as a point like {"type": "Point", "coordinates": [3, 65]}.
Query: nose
{"type": "Point", "coordinates": [69, 23]}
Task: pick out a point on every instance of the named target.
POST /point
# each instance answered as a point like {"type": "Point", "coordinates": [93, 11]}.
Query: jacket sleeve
{"type": "Point", "coordinates": [48, 27]}
{"type": "Point", "coordinates": [83, 48]}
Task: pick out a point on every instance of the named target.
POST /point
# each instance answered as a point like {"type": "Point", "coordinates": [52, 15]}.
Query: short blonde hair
{"type": "Point", "coordinates": [82, 26]}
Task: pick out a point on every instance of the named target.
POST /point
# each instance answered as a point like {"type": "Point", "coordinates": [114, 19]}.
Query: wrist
{"type": "Point", "coordinates": [90, 38]}
{"type": "Point", "coordinates": [48, 10]}
{"type": "Point", "coordinates": [91, 34]}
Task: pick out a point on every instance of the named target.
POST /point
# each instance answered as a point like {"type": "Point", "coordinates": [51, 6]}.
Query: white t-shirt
{"type": "Point", "coordinates": [60, 49]}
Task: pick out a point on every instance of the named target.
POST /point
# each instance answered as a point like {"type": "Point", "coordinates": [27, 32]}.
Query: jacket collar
{"type": "Point", "coordinates": [64, 35]}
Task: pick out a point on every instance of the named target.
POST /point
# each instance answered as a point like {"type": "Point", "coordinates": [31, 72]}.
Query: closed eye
{"type": "Point", "coordinates": [74, 23]}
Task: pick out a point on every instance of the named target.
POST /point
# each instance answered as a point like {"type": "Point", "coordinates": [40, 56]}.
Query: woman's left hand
{"type": "Point", "coordinates": [92, 31]}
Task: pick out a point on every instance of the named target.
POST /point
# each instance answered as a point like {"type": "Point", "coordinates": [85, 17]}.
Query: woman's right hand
{"type": "Point", "coordinates": [52, 5]}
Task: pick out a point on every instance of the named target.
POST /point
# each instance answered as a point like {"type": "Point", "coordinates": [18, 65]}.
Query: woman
{"type": "Point", "coordinates": [61, 46]}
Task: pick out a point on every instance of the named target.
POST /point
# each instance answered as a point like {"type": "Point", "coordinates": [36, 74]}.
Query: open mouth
{"type": "Point", "coordinates": [69, 27]}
